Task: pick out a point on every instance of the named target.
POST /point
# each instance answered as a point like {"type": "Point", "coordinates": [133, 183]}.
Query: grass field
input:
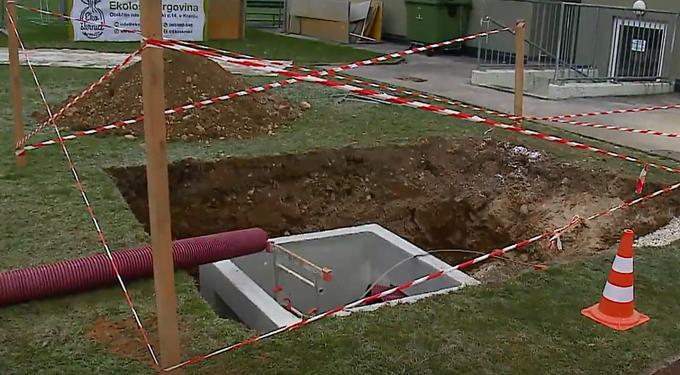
{"type": "Point", "coordinates": [528, 325]}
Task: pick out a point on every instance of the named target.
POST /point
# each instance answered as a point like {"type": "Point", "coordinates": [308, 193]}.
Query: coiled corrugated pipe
{"type": "Point", "coordinates": [77, 275]}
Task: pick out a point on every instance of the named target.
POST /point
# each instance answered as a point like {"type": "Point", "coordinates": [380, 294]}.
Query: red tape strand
{"type": "Point", "coordinates": [603, 113]}
{"type": "Point", "coordinates": [615, 127]}
{"type": "Point", "coordinates": [425, 278]}
{"type": "Point", "coordinates": [440, 99]}
{"type": "Point", "coordinates": [415, 104]}
{"type": "Point", "coordinates": [555, 118]}
{"type": "Point", "coordinates": [88, 205]}
{"type": "Point", "coordinates": [249, 91]}
{"type": "Point", "coordinates": [493, 254]}
{"type": "Point", "coordinates": [77, 98]}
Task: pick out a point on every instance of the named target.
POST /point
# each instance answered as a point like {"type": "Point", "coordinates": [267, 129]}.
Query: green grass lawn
{"type": "Point", "coordinates": [529, 325]}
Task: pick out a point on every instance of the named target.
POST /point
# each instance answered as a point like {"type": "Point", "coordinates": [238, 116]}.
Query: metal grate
{"type": "Point", "coordinates": [583, 42]}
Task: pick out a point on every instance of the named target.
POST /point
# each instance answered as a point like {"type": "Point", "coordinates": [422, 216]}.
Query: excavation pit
{"type": "Point", "coordinates": [470, 194]}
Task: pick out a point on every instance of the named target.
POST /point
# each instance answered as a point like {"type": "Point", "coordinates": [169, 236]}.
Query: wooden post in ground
{"type": "Point", "coordinates": [15, 78]}
{"type": "Point", "coordinates": [153, 90]}
{"type": "Point", "coordinates": [520, 33]}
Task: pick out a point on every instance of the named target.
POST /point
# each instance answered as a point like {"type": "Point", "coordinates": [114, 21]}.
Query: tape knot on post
{"type": "Point", "coordinates": [642, 179]}
{"type": "Point", "coordinates": [556, 240]}
{"type": "Point", "coordinates": [497, 253]}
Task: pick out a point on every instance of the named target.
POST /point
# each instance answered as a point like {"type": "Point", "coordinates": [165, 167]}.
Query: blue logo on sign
{"type": "Point", "coordinates": [93, 27]}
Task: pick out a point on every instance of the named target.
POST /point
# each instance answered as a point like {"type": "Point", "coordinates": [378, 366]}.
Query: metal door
{"type": "Point", "coordinates": [638, 49]}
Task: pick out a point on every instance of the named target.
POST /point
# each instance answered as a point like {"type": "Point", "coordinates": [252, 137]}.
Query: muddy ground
{"type": "Point", "coordinates": [440, 194]}
{"type": "Point", "coordinates": [670, 369]}
{"type": "Point", "coordinates": [122, 338]}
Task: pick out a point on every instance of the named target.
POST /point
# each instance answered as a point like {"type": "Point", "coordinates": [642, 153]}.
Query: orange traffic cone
{"type": "Point", "coordinates": [617, 306]}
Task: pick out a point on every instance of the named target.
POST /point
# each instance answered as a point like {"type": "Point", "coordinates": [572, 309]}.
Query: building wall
{"type": "Point", "coordinates": [670, 5]}
{"type": "Point", "coordinates": [394, 17]}
{"type": "Point", "coordinates": [595, 29]}
{"type": "Point", "coordinates": [595, 32]}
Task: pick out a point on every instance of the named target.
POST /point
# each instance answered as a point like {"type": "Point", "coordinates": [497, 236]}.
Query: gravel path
{"type": "Point", "coordinates": [79, 58]}
{"type": "Point", "coordinates": [662, 237]}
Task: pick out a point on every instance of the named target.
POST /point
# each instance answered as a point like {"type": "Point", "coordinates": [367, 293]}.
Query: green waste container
{"type": "Point", "coordinates": [430, 21]}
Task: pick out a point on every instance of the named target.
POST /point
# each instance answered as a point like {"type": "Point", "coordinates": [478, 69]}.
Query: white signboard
{"type": "Point", "coordinates": [182, 19]}
{"type": "Point", "coordinates": [638, 45]}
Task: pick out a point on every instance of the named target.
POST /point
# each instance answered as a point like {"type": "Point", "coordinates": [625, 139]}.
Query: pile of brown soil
{"type": "Point", "coordinates": [188, 78]}
{"type": "Point", "coordinates": [440, 194]}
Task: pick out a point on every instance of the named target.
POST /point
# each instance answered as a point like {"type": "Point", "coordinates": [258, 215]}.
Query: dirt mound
{"type": "Point", "coordinates": [440, 194]}
{"type": "Point", "coordinates": [188, 78]}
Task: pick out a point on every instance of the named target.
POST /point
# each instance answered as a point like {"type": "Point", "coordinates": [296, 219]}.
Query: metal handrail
{"type": "Point", "coordinates": [639, 45]}
{"type": "Point", "coordinates": [602, 6]}
{"type": "Point", "coordinates": [547, 53]}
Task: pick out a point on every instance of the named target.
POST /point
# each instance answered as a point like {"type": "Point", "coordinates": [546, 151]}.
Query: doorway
{"type": "Point", "coordinates": [637, 49]}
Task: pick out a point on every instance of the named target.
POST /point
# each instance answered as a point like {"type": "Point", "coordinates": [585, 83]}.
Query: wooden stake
{"type": "Point", "coordinates": [153, 90]}
{"type": "Point", "coordinates": [520, 32]}
{"type": "Point", "coordinates": [15, 78]}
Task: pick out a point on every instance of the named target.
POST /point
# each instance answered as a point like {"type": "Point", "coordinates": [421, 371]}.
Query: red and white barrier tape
{"type": "Point", "coordinates": [440, 99]}
{"type": "Point", "coordinates": [642, 179]}
{"type": "Point", "coordinates": [415, 93]}
{"type": "Point", "coordinates": [444, 100]}
{"type": "Point", "coordinates": [212, 53]}
{"type": "Point", "coordinates": [140, 118]}
{"type": "Point", "coordinates": [248, 91]}
{"type": "Point", "coordinates": [617, 128]}
{"type": "Point", "coordinates": [555, 118]}
{"type": "Point", "coordinates": [425, 96]}
{"type": "Point", "coordinates": [77, 98]}
{"type": "Point", "coordinates": [237, 55]}
{"type": "Point", "coordinates": [414, 104]}
{"type": "Point", "coordinates": [220, 53]}
{"type": "Point", "coordinates": [88, 205]}
{"type": "Point", "coordinates": [366, 82]}
{"type": "Point", "coordinates": [602, 113]}
{"type": "Point", "coordinates": [493, 254]}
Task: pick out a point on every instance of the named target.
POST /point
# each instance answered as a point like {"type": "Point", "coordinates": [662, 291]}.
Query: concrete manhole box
{"type": "Point", "coordinates": [312, 273]}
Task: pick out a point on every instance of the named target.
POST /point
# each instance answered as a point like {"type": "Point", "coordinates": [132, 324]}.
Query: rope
{"type": "Point", "coordinates": [251, 90]}
{"type": "Point", "coordinates": [493, 254]}
{"type": "Point", "coordinates": [401, 101]}
{"type": "Point", "coordinates": [556, 241]}
{"type": "Point", "coordinates": [610, 112]}
{"type": "Point", "coordinates": [70, 103]}
{"type": "Point", "coordinates": [429, 252]}
{"type": "Point", "coordinates": [88, 205]}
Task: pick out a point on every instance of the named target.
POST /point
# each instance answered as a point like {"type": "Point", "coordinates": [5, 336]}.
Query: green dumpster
{"type": "Point", "coordinates": [430, 21]}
